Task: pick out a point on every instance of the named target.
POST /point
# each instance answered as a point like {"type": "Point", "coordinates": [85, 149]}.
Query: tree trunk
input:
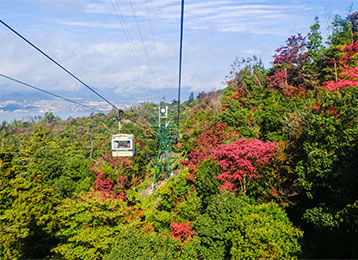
{"type": "Point", "coordinates": [335, 70]}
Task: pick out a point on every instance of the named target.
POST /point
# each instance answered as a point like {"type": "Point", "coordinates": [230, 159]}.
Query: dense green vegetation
{"type": "Point", "coordinates": [267, 168]}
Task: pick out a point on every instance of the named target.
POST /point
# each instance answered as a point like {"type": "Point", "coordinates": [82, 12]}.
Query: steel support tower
{"type": "Point", "coordinates": [165, 134]}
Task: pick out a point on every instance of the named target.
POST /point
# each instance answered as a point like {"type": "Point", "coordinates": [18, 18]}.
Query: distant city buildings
{"type": "Point", "coordinates": [54, 106]}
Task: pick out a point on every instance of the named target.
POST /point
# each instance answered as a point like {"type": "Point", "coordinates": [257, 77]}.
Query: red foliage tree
{"type": "Point", "coordinates": [295, 52]}
{"type": "Point", "coordinates": [121, 181]}
{"type": "Point", "coordinates": [104, 186]}
{"type": "Point", "coordinates": [348, 76]}
{"type": "Point", "coordinates": [349, 57]}
{"type": "Point", "coordinates": [289, 61]}
{"type": "Point", "coordinates": [182, 231]}
{"type": "Point", "coordinates": [205, 145]}
{"type": "Point", "coordinates": [241, 161]}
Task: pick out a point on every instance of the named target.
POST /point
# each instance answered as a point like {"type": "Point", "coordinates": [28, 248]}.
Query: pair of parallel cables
{"type": "Point", "coordinates": [82, 82]}
{"type": "Point", "coordinates": [59, 65]}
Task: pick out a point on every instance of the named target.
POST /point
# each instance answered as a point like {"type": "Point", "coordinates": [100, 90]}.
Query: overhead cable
{"type": "Point", "coordinates": [142, 39]}
{"type": "Point", "coordinates": [180, 55]}
{"type": "Point", "coordinates": [120, 18]}
{"type": "Point", "coordinates": [47, 92]}
{"type": "Point", "coordinates": [59, 65]}
{"type": "Point", "coordinates": [152, 32]}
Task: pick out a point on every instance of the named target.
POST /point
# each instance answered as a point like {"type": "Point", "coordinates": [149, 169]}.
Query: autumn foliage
{"type": "Point", "coordinates": [205, 145]}
{"type": "Point", "coordinates": [289, 62]}
{"type": "Point", "coordinates": [241, 161]}
{"type": "Point", "coordinates": [104, 186]}
{"type": "Point", "coordinates": [348, 75]}
{"type": "Point", "coordinates": [182, 231]}
{"type": "Point", "coordinates": [269, 169]}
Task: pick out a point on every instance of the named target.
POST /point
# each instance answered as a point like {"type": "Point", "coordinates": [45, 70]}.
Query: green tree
{"type": "Point", "coordinates": [26, 228]}
{"type": "Point", "coordinates": [49, 117]}
{"type": "Point", "coordinates": [206, 182]}
{"type": "Point", "coordinates": [327, 172]}
{"type": "Point", "coordinates": [264, 231]}
{"type": "Point", "coordinates": [88, 226]}
{"type": "Point", "coordinates": [190, 208]}
{"type": "Point", "coordinates": [76, 178]}
{"type": "Point", "coordinates": [7, 173]}
{"type": "Point", "coordinates": [330, 148]}
{"type": "Point", "coordinates": [341, 32]}
{"type": "Point", "coordinates": [315, 38]}
{"type": "Point", "coordinates": [313, 74]}
{"type": "Point", "coordinates": [238, 228]}
{"type": "Point", "coordinates": [133, 243]}
{"type": "Point", "coordinates": [191, 98]}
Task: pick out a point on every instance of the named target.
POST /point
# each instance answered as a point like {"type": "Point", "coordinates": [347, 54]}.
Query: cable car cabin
{"type": "Point", "coordinates": [122, 145]}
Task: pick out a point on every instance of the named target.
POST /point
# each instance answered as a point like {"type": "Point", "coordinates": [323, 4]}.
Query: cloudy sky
{"type": "Point", "coordinates": [128, 49]}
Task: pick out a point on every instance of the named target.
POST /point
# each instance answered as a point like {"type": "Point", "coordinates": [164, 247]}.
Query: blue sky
{"type": "Point", "coordinates": [128, 49]}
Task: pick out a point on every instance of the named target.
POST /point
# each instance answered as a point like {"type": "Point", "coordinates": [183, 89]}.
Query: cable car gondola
{"type": "Point", "coordinates": [122, 144]}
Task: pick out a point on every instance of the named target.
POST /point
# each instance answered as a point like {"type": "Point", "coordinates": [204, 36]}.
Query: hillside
{"type": "Point", "coordinates": [266, 168]}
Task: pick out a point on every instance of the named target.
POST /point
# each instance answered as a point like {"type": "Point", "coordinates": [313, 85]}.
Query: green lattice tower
{"type": "Point", "coordinates": [165, 134]}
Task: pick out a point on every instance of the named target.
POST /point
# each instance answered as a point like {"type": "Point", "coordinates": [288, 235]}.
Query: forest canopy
{"type": "Point", "coordinates": [265, 168]}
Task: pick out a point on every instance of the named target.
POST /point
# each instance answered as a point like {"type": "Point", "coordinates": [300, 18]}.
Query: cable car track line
{"type": "Point", "coordinates": [180, 56]}
{"type": "Point", "coordinates": [47, 92]}
{"type": "Point", "coordinates": [153, 38]}
{"type": "Point", "coordinates": [58, 64]}
{"type": "Point", "coordinates": [142, 40]}
{"type": "Point", "coordinates": [121, 20]}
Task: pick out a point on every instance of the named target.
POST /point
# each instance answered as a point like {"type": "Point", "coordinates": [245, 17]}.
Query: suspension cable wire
{"type": "Point", "coordinates": [180, 56]}
{"type": "Point", "coordinates": [47, 92]}
{"type": "Point", "coordinates": [153, 38]}
{"type": "Point", "coordinates": [59, 65]}
{"type": "Point", "coordinates": [142, 40]}
{"type": "Point", "coordinates": [120, 18]}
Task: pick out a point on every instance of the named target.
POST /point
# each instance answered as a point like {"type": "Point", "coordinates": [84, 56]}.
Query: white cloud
{"type": "Point", "coordinates": [223, 15]}
{"type": "Point", "coordinates": [91, 24]}
{"type": "Point", "coordinates": [89, 40]}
